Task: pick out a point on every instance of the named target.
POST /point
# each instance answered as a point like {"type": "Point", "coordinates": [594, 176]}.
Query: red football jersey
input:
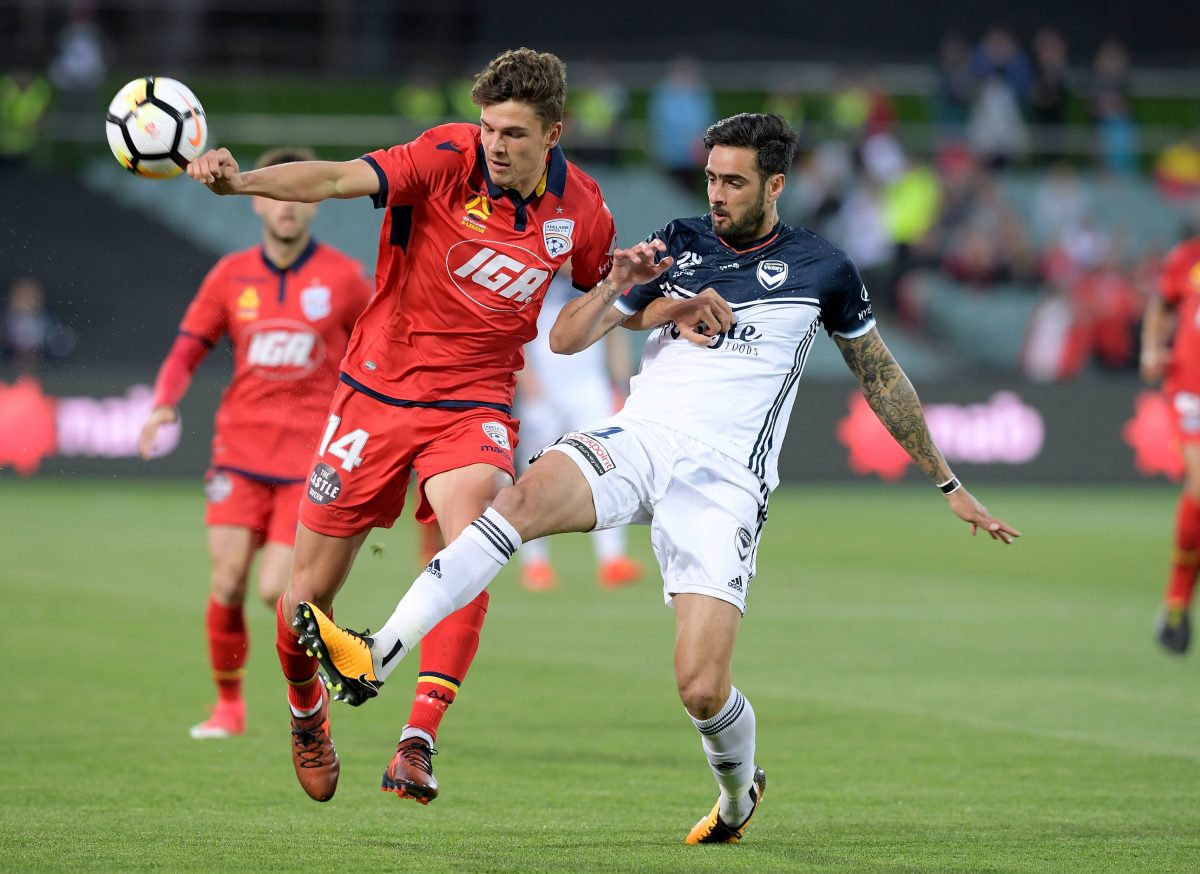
{"type": "Point", "coordinates": [463, 267]}
{"type": "Point", "coordinates": [289, 330]}
{"type": "Point", "coordinates": [1180, 286]}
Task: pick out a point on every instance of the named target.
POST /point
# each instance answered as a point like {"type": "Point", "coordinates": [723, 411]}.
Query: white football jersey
{"type": "Point", "coordinates": [737, 393]}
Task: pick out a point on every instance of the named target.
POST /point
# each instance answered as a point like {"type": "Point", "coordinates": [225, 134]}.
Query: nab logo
{"type": "Point", "coordinates": [280, 350]}
{"type": "Point", "coordinates": [502, 277]}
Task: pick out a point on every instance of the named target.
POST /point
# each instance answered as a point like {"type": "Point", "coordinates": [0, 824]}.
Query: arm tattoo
{"type": "Point", "coordinates": [893, 398]}
{"type": "Point", "coordinates": [606, 291]}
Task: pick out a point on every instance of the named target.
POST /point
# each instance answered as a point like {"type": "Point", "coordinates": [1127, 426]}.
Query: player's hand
{"type": "Point", "coordinates": [1153, 363]}
{"type": "Point", "coordinates": [968, 509]}
{"type": "Point", "coordinates": [218, 170]}
{"type": "Point", "coordinates": [159, 416]}
{"type": "Point", "coordinates": [639, 263]}
{"type": "Point", "coordinates": [702, 317]}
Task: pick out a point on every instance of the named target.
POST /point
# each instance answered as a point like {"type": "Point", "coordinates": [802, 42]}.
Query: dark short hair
{"type": "Point", "coordinates": [773, 141]}
{"type": "Point", "coordinates": [284, 155]}
{"type": "Point", "coordinates": [536, 78]}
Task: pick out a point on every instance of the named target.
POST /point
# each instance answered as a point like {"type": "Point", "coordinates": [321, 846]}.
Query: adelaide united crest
{"type": "Point", "coordinates": [556, 234]}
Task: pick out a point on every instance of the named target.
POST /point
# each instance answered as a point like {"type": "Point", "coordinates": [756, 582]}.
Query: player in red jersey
{"type": "Point", "coordinates": [288, 306]}
{"type": "Point", "coordinates": [478, 220]}
{"type": "Point", "coordinates": [1171, 353]}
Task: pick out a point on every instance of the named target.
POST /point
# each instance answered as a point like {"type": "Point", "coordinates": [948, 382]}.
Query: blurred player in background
{"type": "Point", "coordinates": [737, 298]}
{"type": "Point", "coordinates": [1171, 353]}
{"type": "Point", "coordinates": [478, 219]}
{"type": "Point", "coordinates": [555, 393]}
{"type": "Point", "coordinates": [288, 306]}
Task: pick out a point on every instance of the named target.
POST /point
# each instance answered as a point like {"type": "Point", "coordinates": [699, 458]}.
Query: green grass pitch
{"type": "Point", "coordinates": [925, 701]}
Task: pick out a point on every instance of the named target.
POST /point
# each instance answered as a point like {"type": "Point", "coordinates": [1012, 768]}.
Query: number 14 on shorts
{"type": "Point", "coordinates": [348, 447]}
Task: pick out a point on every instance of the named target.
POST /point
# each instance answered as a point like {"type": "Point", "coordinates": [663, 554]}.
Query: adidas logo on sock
{"type": "Point", "coordinates": [434, 568]}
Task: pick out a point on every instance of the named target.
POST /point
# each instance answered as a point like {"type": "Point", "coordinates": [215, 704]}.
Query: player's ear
{"type": "Point", "coordinates": [775, 187]}
{"type": "Point", "coordinates": [553, 134]}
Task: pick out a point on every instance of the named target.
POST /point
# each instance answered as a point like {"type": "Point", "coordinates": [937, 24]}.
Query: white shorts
{"type": "Point", "coordinates": [705, 510]}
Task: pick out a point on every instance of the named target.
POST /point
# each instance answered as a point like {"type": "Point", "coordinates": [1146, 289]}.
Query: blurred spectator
{"type": "Point", "coordinates": [990, 245]}
{"type": "Point", "coordinates": [1177, 170]}
{"type": "Point", "coordinates": [24, 99]}
{"type": "Point", "coordinates": [1111, 109]}
{"type": "Point", "coordinates": [998, 55]}
{"type": "Point", "coordinates": [820, 186]}
{"type": "Point", "coordinates": [1061, 203]}
{"type": "Point", "coordinates": [996, 129]}
{"type": "Point", "coordinates": [31, 334]}
{"type": "Point", "coordinates": [78, 68]}
{"type": "Point", "coordinates": [420, 99]}
{"type": "Point", "coordinates": [954, 84]}
{"type": "Point", "coordinates": [681, 109]}
{"type": "Point", "coordinates": [910, 199]}
{"type": "Point", "coordinates": [861, 107]}
{"type": "Point", "coordinates": [1050, 91]}
{"type": "Point", "coordinates": [596, 109]}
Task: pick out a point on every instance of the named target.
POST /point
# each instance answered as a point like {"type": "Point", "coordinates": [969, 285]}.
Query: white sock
{"type": "Point", "coordinates": [450, 581]}
{"type": "Point", "coordinates": [608, 543]}
{"type": "Point", "coordinates": [535, 551]}
{"type": "Point", "coordinates": [409, 731]}
{"type": "Point", "coordinates": [728, 741]}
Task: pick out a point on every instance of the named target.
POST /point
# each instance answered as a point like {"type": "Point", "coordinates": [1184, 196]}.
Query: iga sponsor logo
{"type": "Point", "coordinates": [502, 277]}
{"type": "Point", "coordinates": [283, 349]}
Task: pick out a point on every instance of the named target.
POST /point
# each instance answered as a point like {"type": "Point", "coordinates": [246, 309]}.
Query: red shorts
{"type": "Point", "coordinates": [370, 448]}
{"type": "Point", "coordinates": [269, 509]}
{"type": "Point", "coordinates": [1186, 406]}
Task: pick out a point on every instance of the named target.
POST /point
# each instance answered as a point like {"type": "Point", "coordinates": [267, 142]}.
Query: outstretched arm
{"type": "Point", "coordinates": [894, 400]}
{"type": "Point", "coordinates": [588, 318]}
{"type": "Point", "coordinates": [300, 181]}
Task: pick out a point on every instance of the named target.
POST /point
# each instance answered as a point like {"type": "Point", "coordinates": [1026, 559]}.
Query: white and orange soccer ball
{"type": "Point", "coordinates": [156, 126]}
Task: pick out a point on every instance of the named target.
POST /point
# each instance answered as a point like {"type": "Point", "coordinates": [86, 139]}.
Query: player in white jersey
{"type": "Point", "coordinates": [555, 393]}
{"type": "Point", "coordinates": [738, 298]}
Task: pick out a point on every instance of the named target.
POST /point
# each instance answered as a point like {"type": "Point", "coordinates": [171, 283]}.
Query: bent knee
{"type": "Point", "coordinates": [703, 697]}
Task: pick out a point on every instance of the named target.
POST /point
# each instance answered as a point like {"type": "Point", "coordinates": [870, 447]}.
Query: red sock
{"type": "Point", "coordinates": [446, 655]}
{"type": "Point", "coordinates": [228, 644]}
{"type": "Point", "coordinates": [1186, 561]}
{"type": "Point", "coordinates": [299, 669]}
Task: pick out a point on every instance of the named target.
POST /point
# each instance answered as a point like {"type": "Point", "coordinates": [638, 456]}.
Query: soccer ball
{"type": "Point", "coordinates": [155, 127]}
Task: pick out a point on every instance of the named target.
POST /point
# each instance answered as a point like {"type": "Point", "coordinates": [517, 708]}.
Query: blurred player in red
{"type": "Point", "coordinates": [478, 219]}
{"type": "Point", "coordinates": [288, 307]}
{"type": "Point", "coordinates": [1171, 353]}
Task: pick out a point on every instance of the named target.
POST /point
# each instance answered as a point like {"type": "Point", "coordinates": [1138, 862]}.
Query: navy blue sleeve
{"type": "Point", "coordinates": [845, 304]}
{"type": "Point", "coordinates": [638, 296]}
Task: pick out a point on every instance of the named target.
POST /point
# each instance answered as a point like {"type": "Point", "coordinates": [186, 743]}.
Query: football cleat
{"type": "Point", "coordinates": [313, 754]}
{"type": "Point", "coordinates": [1174, 629]}
{"type": "Point", "coordinates": [344, 655]}
{"type": "Point", "coordinates": [538, 576]}
{"type": "Point", "coordinates": [410, 773]}
{"type": "Point", "coordinates": [620, 571]}
{"type": "Point", "coordinates": [713, 830]}
{"type": "Point", "coordinates": [228, 719]}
